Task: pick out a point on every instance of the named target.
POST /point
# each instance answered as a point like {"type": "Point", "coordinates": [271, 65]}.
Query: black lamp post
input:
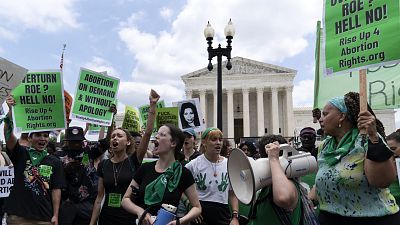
{"type": "Point", "coordinates": [219, 52]}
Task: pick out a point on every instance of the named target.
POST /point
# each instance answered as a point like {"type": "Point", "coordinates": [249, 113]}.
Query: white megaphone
{"type": "Point", "coordinates": [247, 175]}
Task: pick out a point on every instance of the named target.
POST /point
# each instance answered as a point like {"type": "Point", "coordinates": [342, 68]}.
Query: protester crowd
{"type": "Point", "coordinates": [108, 182]}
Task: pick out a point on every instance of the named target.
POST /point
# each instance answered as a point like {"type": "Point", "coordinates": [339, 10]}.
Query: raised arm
{"type": "Point", "coordinates": [111, 128]}
{"type": "Point", "coordinates": [11, 139]}
{"type": "Point", "coordinates": [378, 165]}
{"type": "Point", "coordinates": [284, 191]}
{"type": "Point", "coordinates": [144, 143]}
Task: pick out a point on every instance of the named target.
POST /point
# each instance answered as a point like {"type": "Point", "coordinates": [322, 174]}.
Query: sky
{"type": "Point", "coordinates": [152, 43]}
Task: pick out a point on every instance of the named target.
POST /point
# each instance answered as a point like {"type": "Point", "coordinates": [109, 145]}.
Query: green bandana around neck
{"type": "Point", "coordinates": [335, 152]}
{"type": "Point", "coordinates": [36, 156]}
{"type": "Point", "coordinates": [154, 192]}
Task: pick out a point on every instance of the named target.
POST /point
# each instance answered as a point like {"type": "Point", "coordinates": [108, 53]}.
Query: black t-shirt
{"type": "Point", "coordinates": [121, 174]}
{"type": "Point", "coordinates": [147, 173]}
{"type": "Point", "coordinates": [81, 183]}
{"type": "Point", "coordinates": [30, 196]}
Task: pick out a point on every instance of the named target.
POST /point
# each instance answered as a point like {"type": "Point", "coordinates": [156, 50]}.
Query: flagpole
{"type": "Point", "coordinates": [363, 96]}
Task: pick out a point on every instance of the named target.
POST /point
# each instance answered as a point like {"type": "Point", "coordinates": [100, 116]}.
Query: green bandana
{"type": "Point", "coordinates": [36, 156]}
{"type": "Point", "coordinates": [335, 153]}
{"type": "Point", "coordinates": [154, 192]}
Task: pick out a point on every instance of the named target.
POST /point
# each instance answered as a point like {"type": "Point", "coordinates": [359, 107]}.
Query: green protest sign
{"type": "Point", "coordinates": [383, 83]}
{"type": "Point", "coordinates": [95, 129]}
{"type": "Point", "coordinates": [131, 120]}
{"type": "Point", "coordinates": [39, 102]}
{"type": "Point", "coordinates": [167, 115]}
{"type": "Point", "coordinates": [360, 34]}
{"type": "Point", "coordinates": [144, 112]}
{"type": "Point", "coordinates": [95, 92]}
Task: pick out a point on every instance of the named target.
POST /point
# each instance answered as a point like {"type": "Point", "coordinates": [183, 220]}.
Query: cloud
{"type": "Point", "coordinates": [264, 33]}
{"type": "Point", "coordinates": [166, 13]}
{"type": "Point", "coordinates": [99, 64]}
{"type": "Point", "coordinates": [303, 94]}
{"type": "Point", "coordinates": [137, 93]}
{"type": "Point", "coordinates": [7, 34]}
{"type": "Point", "coordinates": [47, 15]}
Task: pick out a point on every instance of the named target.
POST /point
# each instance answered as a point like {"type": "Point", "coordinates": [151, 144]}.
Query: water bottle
{"type": "Point", "coordinates": [165, 215]}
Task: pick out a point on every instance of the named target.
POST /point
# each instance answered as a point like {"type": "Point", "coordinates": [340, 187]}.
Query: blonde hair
{"type": "Point", "coordinates": [216, 133]}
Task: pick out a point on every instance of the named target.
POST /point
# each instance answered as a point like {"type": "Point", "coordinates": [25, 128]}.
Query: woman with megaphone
{"type": "Point", "coordinates": [280, 203]}
{"type": "Point", "coordinates": [354, 169]}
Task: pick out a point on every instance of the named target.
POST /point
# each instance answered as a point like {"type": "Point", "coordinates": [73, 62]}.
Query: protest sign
{"type": "Point", "coordinates": [95, 92]}
{"type": "Point", "coordinates": [39, 102]}
{"type": "Point", "coordinates": [167, 115]}
{"type": "Point", "coordinates": [131, 120]}
{"type": "Point", "coordinates": [190, 114]}
{"type": "Point", "coordinates": [360, 34]}
{"type": "Point", "coordinates": [383, 82]}
{"type": "Point", "coordinates": [10, 76]}
{"type": "Point", "coordinates": [68, 105]}
{"type": "Point", "coordinates": [144, 112]}
{"type": "Point", "coordinates": [95, 129]}
{"type": "Point", "coordinates": [6, 180]}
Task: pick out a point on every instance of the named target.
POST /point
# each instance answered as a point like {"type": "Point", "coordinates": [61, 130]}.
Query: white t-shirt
{"type": "Point", "coordinates": [209, 187]}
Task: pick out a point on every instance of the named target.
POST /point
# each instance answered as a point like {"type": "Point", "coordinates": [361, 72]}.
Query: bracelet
{"type": "Point", "coordinates": [235, 214]}
{"type": "Point", "coordinates": [378, 152]}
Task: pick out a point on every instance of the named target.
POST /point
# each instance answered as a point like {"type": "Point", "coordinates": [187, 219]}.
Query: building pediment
{"type": "Point", "coordinates": [242, 66]}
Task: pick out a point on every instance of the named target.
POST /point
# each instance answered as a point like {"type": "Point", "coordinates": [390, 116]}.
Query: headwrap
{"type": "Point", "coordinates": [154, 192]}
{"type": "Point", "coordinates": [207, 131]}
{"type": "Point", "coordinates": [338, 102]}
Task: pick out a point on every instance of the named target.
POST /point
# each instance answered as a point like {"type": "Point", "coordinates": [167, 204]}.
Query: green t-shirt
{"type": "Point", "coordinates": [266, 214]}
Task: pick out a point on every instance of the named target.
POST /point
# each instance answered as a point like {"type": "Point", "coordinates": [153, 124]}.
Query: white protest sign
{"type": "Point", "coordinates": [190, 115]}
{"type": "Point", "coordinates": [11, 75]}
{"type": "Point", "coordinates": [6, 180]}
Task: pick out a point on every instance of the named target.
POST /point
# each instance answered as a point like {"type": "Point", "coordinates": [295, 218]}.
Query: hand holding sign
{"type": "Point", "coordinates": [10, 101]}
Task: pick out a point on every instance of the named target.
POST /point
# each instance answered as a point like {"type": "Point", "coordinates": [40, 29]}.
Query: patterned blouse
{"type": "Point", "coordinates": [343, 188]}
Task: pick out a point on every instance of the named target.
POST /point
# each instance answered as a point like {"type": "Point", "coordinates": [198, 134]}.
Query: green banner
{"type": "Point", "coordinates": [39, 102]}
{"type": "Point", "coordinates": [383, 83]}
{"type": "Point", "coordinates": [144, 113]}
{"type": "Point", "coordinates": [93, 97]}
{"type": "Point", "coordinates": [95, 129]}
{"type": "Point", "coordinates": [360, 34]}
{"type": "Point", "coordinates": [131, 120]}
{"type": "Point", "coordinates": [167, 115]}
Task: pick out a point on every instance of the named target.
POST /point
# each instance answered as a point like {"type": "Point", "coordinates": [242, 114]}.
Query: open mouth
{"type": "Point", "coordinates": [114, 144]}
{"type": "Point", "coordinates": [186, 143]}
{"type": "Point", "coordinates": [41, 144]}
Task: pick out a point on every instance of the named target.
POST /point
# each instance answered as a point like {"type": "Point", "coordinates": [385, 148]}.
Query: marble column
{"type": "Point", "coordinates": [203, 104]}
{"type": "Point", "coordinates": [189, 94]}
{"type": "Point", "coordinates": [215, 106]}
{"type": "Point", "coordinates": [274, 111]}
{"type": "Point", "coordinates": [230, 119]}
{"type": "Point", "coordinates": [289, 112]}
{"type": "Point", "coordinates": [260, 111]}
{"type": "Point", "coordinates": [246, 112]}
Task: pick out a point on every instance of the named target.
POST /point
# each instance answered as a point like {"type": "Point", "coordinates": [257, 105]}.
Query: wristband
{"type": "Point", "coordinates": [378, 152]}
{"type": "Point", "coordinates": [235, 214]}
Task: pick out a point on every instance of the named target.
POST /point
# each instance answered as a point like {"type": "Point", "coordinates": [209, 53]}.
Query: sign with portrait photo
{"type": "Point", "coordinates": [190, 115]}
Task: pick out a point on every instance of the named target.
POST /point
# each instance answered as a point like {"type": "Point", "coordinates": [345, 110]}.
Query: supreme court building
{"type": "Point", "coordinates": [257, 99]}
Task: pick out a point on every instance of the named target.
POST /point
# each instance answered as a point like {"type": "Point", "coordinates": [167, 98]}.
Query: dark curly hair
{"type": "Point", "coordinates": [352, 101]}
{"type": "Point", "coordinates": [269, 139]}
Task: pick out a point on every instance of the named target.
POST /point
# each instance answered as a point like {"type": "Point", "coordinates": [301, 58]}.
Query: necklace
{"type": "Point", "coordinates": [117, 171]}
{"type": "Point", "coordinates": [214, 166]}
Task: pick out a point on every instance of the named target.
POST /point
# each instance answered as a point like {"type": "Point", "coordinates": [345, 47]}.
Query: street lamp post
{"type": "Point", "coordinates": [219, 52]}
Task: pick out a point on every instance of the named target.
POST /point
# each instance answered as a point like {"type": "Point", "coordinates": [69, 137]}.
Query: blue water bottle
{"type": "Point", "coordinates": [165, 215]}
